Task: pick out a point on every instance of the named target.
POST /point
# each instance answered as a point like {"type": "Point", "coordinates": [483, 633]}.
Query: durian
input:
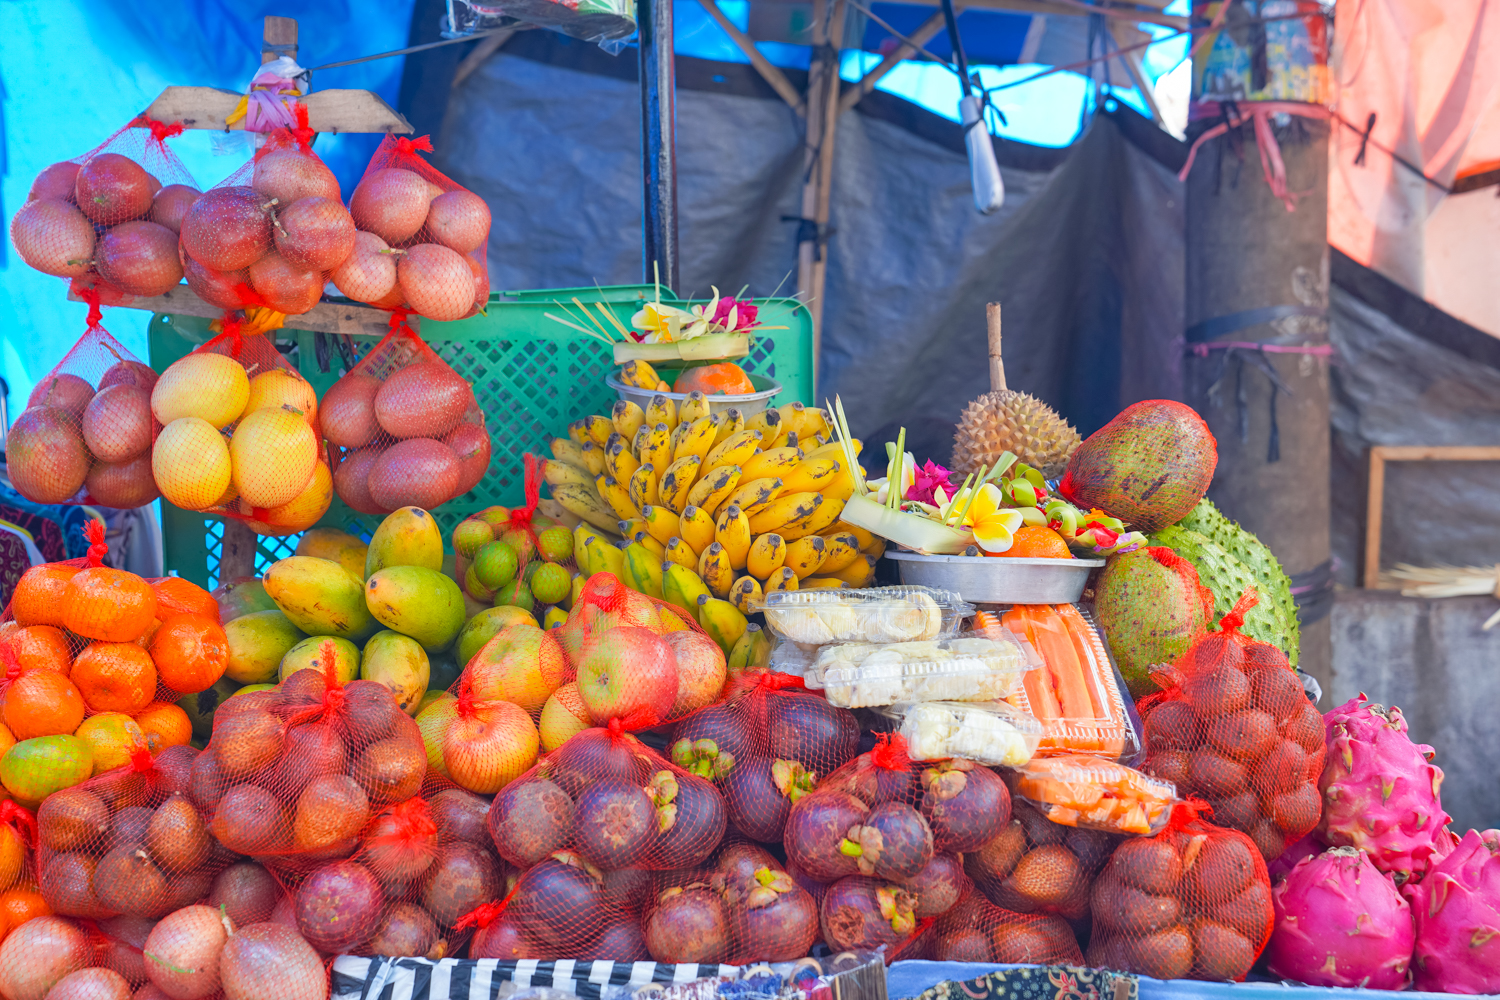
{"type": "Point", "coordinates": [1006, 420]}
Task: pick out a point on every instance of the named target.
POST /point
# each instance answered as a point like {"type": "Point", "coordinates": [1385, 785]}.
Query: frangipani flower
{"type": "Point", "coordinates": [994, 526]}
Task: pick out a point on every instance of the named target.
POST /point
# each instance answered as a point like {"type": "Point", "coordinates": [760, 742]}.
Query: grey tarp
{"type": "Point", "coordinates": [1085, 256]}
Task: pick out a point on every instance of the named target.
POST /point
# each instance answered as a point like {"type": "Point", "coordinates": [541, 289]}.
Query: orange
{"type": "Point", "coordinates": [164, 725]}
{"type": "Point", "coordinates": [6, 742]}
{"type": "Point", "coordinates": [108, 604]}
{"type": "Point", "coordinates": [42, 703]}
{"type": "Point", "coordinates": [12, 855]}
{"type": "Point", "coordinates": [40, 647]}
{"type": "Point", "coordinates": [19, 905]}
{"type": "Point", "coordinates": [111, 736]}
{"type": "Point", "coordinates": [38, 599]}
{"type": "Point", "coordinates": [191, 652]}
{"type": "Point", "coordinates": [115, 677]}
{"type": "Point", "coordinates": [1032, 541]}
{"type": "Point", "coordinates": [176, 596]}
{"type": "Point", "coordinates": [709, 379]}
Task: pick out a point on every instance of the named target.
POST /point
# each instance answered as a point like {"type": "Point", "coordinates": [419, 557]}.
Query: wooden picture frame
{"type": "Point", "coordinates": [1375, 498]}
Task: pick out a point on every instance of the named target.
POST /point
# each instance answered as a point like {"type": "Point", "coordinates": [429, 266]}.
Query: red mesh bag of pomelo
{"type": "Point", "coordinates": [765, 746]}
{"type": "Point", "coordinates": [268, 236]}
{"type": "Point", "coordinates": [1192, 902]}
{"type": "Point", "coordinates": [503, 553]}
{"type": "Point", "coordinates": [239, 435]}
{"type": "Point", "coordinates": [85, 435]}
{"type": "Point", "coordinates": [976, 930]}
{"type": "Point", "coordinates": [421, 240]}
{"type": "Point", "coordinates": [111, 216]}
{"type": "Point", "coordinates": [1235, 728]}
{"type": "Point", "coordinates": [406, 426]}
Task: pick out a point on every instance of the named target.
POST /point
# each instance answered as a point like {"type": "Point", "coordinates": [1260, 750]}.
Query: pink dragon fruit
{"type": "Point", "coordinates": [1380, 793]}
{"type": "Point", "coordinates": [1307, 847]}
{"type": "Point", "coordinates": [1341, 922]}
{"type": "Point", "coordinates": [1456, 907]}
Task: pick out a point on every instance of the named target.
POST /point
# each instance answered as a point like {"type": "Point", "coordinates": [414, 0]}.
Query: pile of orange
{"type": "Point", "coordinates": [723, 377]}
{"type": "Point", "coordinates": [1032, 541]}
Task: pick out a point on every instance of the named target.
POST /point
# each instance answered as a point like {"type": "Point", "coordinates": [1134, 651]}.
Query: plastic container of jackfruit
{"type": "Point", "coordinates": [967, 667]}
{"type": "Point", "coordinates": [987, 732]}
{"type": "Point", "coordinates": [876, 614]}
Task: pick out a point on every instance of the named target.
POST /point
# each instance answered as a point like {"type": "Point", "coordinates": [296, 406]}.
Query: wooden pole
{"type": "Point", "coordinates": [997, 364]}
{"type": "Point", "coordinates": [822, 120]}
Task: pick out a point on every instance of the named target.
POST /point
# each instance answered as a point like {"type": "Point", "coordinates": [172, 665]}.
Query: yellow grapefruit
{"type": "Point", "coordinates": [303, 511]}
{"type": "Point", "coordinates": [279, 387]}
{"type": "Point", "coordinates": [273, 452]}
{"type": "Point", "coordinates": [212, 387]}
{"type": "Point", "coordinates": [190, 462]}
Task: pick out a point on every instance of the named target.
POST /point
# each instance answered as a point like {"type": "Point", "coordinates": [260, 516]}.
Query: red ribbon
{"type": "Point", "coordinates": [141, 760]}
{"type": "Point", "coordinates": [1188, 812]}
{"type": "Point", "coordinates": [484, 914]}
{"type": "Point", "coordinates": [520, 517]}
{"type": "Point", "coordinates": [1235, 620]}
{"type": "Point", "coordinates": [98, 549]}
{"type": "Point", "coordinates": [302, 133]}
{"type": "Point", "coordinates": [890, 752]}
{"type": "Point", "coordinates": [160, 131]}
{"type": "Point", "coordinates": [413, 822]}
{"type": "Point", "coordinates": [408, 148]}
{"type": "Point", "coordinates": [90, 294]}
{"type": "Point", "coordinates": [398, 322]}
{"type": "Point", "coordinates": [20, 820]}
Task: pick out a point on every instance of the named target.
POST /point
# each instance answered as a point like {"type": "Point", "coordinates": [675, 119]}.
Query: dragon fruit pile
{"type": "Point", "coordinates": [1456, 907]}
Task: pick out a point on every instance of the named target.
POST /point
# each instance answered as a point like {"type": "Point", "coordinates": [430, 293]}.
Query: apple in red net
{"type": "Point", "coordinates": [700, 671]}
{"type": "Point", "coordinates": [520, 664]}
{"type": "Point", "coordinates": [627, 673]}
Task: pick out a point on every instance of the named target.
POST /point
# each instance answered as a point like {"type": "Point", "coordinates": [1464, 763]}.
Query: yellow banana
{"type": "Point", "coordinates": [776, 462]}
{"type": "Point", "coordinates": [785, 509]}
{"type": "Point", "coordinates": [766, 555]}
{"type": "Point", "coordinates": [682, 553]}
{"type": "Point", "coordinates": [662, 523]}
{"type": "Point", "coordinates": [638, 375]}
{"type": "Point", "coordinates": [677, 481]}
{"type": "Point", "coordinates": [568, 450]}
{"type": "Point", "coordinates": [751, 496]}
{"type": "Point", "coordinates": [661, 410]}
{"type": "Point", "coordinates": [791, 419]}
{"type": "Point", "coordinates": [695, 407]}
{"type": "Point", "coordinates": [713, 488]}
{"type": "Point", "coordinates": [832, 450]}
{"type": "Point", "coordinates": [782, 579]}
{"type": "Point", "coordinates": [578, 432]}
{"type": "Point", "coordinates": [628, 417]}
{"type": "Point", "coordinates": [734, 449]}
{"type": "Point", "coordinates": [617, 496]}
{"type": "Point", "coordinates": [751, 652]}
{"type": "Point", "coordinates": [642, 570]}
{"type": "Point", "coordinates": [593, 458]}
{"type": "Point", "coordinates": [745, 594]}
{"type": "Point", "coordinates": [805, 555]}
{"type": "Point", "coordinates": [682, 587]}
{"type": "Point", "coordinates": [822, 582]}
{"type": "Point", "coordinates": [875, 549]}
{"type": "Point", "coordinates": [714, 568]}
{"type": "Point", "coordinates": [638, 440]}
{"type": "Point", "coordinates": [657, 549]}
{"type": "Point", "coordinates": [556, 473]}
{"type": "Point", "coordinates": [606, 557]}
{"type": "Point", "coordinates": [696, 526]}
{"type": "Point", "coordinates": [619, 462]}
{"type": "Point", "coordinates": [584, 502]}
{"type": "Point", "coordinates": [815, 421]}
{"type": "Point", "coordinates": [598, 428]}
{"type": "Point", "coordinates": [810, 476]}
{"type": "Point", "coordinates": [656, 447]}
{"type": "Point", "coordinates": [778, 433]}
{"type": "Point", "coordinates": [767, 421]}
{"type": "Point", "coordinates": [815, 522]}
{"type": "Point", "coordinates": [643, 486]}
{"type": "Point", "coordinates": [859, 573]}
{"type": "Point", "coordinates": [630, 527]}
{"type": "Point", "coordinates": [843, 549]}
{"type": "Point", "coordinates": [733, 532]}
{"type": "Point", "coordinates": [697, 438]}
{"type": "Point", "coordinates": [862, 535]}
{"type": "Point", "coordinates": [723, 622]}
{"type": "Point", "coordinates": [840, 487]}
{"type": "Point", "coordinates": [732, 423]}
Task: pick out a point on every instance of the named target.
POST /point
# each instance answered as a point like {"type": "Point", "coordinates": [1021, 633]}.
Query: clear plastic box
{"type": "Point", "coordinates": [970, 667]}
{"type": "Point", "coordinates": [987, 732]}
{"type": "Point", "coordinates": [878, 614]}
{"type": "Point", "coordinates": [1087, 791]}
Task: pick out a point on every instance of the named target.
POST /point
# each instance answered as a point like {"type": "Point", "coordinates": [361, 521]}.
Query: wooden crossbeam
{"type": "Point", "coordinates": [768, 70]}
{"type": "Point", "coordinates": [925, 32]}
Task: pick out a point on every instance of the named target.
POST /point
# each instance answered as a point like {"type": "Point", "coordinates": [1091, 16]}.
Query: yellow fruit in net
{"type": "Point", "coordinates": [273, 452]}
{"type": "Point", "coordinates": [278, 387]}
{"type": "Point", "coordinates": [190, 463]}
{"type": "Point", "coordinates": [12, 857]}
{"type": "Point", "coordinates": [212, 387]}
{"type": "Point", "coordinates": [301, 513]}
{"type": "Point", "coordinates": [111, 736]}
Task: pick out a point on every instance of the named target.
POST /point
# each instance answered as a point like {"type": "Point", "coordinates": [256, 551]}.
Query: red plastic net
{"type": "Point", "coordinates": [406, 429]}
{"type": "Point", "coordinates": [1192, 902]}
{"type": "Point", "coordinates": [111, 216]}
{"type": "Point", "coordinates": [421, 237]}
{"type": "Point", "coordinates": [85, 435]}
{"type": "Point", "coordinates": [1235, 728]}
{"type": "Point", "coordinates": [502, 554]}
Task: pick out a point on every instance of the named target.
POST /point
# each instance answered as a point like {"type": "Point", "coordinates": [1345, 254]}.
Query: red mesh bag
{"type": "Point", "coordinates": [491, 575]}
{"type": "Point", "coordinates": [110, 217]}
{"type": "Point", "coordinates": [240, 436]}
{"type": "Point", "coordinates": [406, 428]}
{"type": "Point", "coordinates": [421, 240]}
{"type": "Point", "coordinates": [977, 930]}
{"type": "Point", "coordinates": [1192, 902]}
{"type": "Point", "coordinates": [1234, 727]}
{"type": "Point", "coordinates": [85, 435]}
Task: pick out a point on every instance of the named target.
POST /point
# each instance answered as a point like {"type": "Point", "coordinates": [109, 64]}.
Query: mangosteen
{"type": "Point", "coordinates": [626, 890]}
{"type": "Point", "coordinates": [688, 925]}
{"type": "Point", "coordinates": [560, 900]}
{"type": "Point", "coordinates": [620, 942]}
{"type": "Point", "coordinates": [461, 877]}
{"type": "Point", "coordinates": [805, 727]}
{"type": "Point", "coordinates": [460, 815]}
{"type": "Point", "coordinates": [597, 755]}
{"type": "Point", "coordinates": [504, 940]}
{"type": "Point", "coordinates": [894, 842]}
{"type": "Point", "coordinates": [690, 818]}
{"type": "Point", "coordinates": [614, 824]}
{"type": "Point", "coordinates": [740, 860]}
{"type": "Point", "coordinates": [717, 735]}
{"type": "Point", "coordinates": [938, 885]}
{"type": "Point", "coordinates": [772, 917]}
{"type": "Point", "coordinates": [760, 793]}
{"type": "Point", "coordinates": [862, 914]}
{"type": "Point", "coordinates": [817, 834]}
{"type": "Point", "coordinates": [529, 820]}
{"type": "Point", "coordinates": [967, 804]}
{"type": "Point", "coordinates": [883, 774]}
{"type": "Point", "coordinates": [814, 888]}
{"type": "Point", "coordinates": [339, 906]}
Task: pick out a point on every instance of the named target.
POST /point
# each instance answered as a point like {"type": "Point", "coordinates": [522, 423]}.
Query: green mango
{"type": "Point", "coordinates": [320, 598]}
{"type": "Point", "coordinates": [431, 698]}
{"type": "Point", "coordinates": [252, 688]}
{"type": "Point", "coordinates": [242, 597]}
{"type": "Point", "coordinates": [200, 707]}
{"type": "Point", "coordinates": [399, 662]}
{"type": "Point", "coordinates": [479, 629]}
{"type": "Point", "coordinates": [257, 642]}
{"type": "Point", "coordinates": [408, 537]}
{"type": "Point", "coordinates": [340, 546]}
{"type": "Point", "coordinates": [34, 769]}
{"type": "Point", "coordinates": [308, 655]}
{"type": "Point", "coordinates": [418, 602]}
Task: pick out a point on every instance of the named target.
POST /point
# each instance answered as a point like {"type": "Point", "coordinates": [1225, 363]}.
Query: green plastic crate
{"type": "Point", "coordinates": [532, 376]}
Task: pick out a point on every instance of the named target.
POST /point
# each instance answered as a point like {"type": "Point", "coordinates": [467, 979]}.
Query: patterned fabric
{"type": "Point", "coordinates": [13, 562]}
{"type": "Point", "coordinates": [45, 532]}
{"type": "Point", "coordinates": [479, 979]}
{"type": "Point", "coordinates": [1041, 982]}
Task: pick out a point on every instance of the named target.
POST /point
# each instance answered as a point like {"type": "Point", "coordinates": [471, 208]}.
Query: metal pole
{"type": "Point", "coordinates": [658, 139]}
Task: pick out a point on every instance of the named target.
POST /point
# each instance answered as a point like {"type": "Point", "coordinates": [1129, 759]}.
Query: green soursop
{"type": "Point", "coordinates": [1210, 522]}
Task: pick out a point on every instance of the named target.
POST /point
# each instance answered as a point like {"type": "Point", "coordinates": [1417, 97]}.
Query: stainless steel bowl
{"type": "Point", "coordinates": [750, 402]}
{"type": "Point", "coordinates": [999, 581]}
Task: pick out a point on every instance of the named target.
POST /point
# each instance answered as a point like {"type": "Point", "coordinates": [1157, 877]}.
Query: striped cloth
{"type": "Point", "coordinates": [480, 979]}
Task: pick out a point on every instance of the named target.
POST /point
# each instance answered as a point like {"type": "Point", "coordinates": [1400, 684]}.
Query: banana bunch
{"type": "Point", "coordinates": [711, 511]}
{"type": "Point", "coordinates": [639, 375]}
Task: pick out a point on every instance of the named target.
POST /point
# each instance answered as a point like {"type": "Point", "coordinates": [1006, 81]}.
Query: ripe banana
{"type": "Point", "coordinates": [629, 527]}
{"type": "Point", "coordinates": [696, 527]}
{"type": "Point", "coordinates": [695, 407]}
{"type": "Point", "coordinates": [805, 555]}
{"type": "Point", "coordinates": [823, 582]}
{"type": "Point", "coordinates": [662, 523]}
{"type": "Point", "coordinates": [875, 549]}
{"type": "Point", "coordinates": [642, 570]}
{"type": "Point", "coordinates": [768, 422]}
{"type": "Point", "coordinates": [619, 462]}
{"type": "Point", "coordinates": [745, 594]}
{"type": "Point", "coordinates": [860, 573]}
{"type": "Point", "coordinates": [766, 555]}
{"type": "Point", "coordinates": [682, 587]}
{"type": "Point", "coordinates": [617, 496]}
{"type": "Point", "coordinates": [785, 509]}
{"type": "Point", "coordinates": [776, 462]}
{"type": "Point", "coordinates": [723, 622]}
{"type": "Point", "coordinates": [812, 475]}
{"type": "Point", "coordinates": [733, 532]}
{"type": "Point", "coordinates": [643, 486]}
{"type": "Point", "coordinates": [697, 439]}
{"type": "Point", "coordinates": [593, 458]}
{"type": "Point", "coordinates": [657, 549]}
{"type": "Point", "coordinates": [556, 473]}
{"type": "Point", "coordinates": [752, 496]}
{"type": "Point", "coordinates": [714, 488]}
{"type": "Point", "coordinates": [578, 432]}
{"type": "Point", "coordinates": [598, 429]}
{"type": "Point", "coordinates": [833, 450]}
{"type": "Point", "coordinates": [661, 410]}
{"type": "Point", "coordinates": [606, 557]}
{"type": "Point", "coordinates": [682, 553]}
{"type": "Point", "coordinates": [816, 522]}
{"type": "Point", "coordinates": [841, 487]}
{"type": "Point", "coordinates": [778, 433]}
{"type": "Point", "coordinates": [791, 418]}
{"type": "Point", "coordinates": [732, 423]}
{"type": "Point", "coordinates": [815, 422]}
{"type": "Point", "coordinates": [751, 652]}
{"type": "Point", "coordinates": [568, 450]}
{"type": "Point", "coordinates": [628, 417]}
{"type": "Point", "coordinates": [782, 579]}
{"type": "Point", "coordinates": [638, 375]}
{"type": "Point", "coordinates": [656, 447]}
{"type": "Point", "coordinates": [675, 483]}
{"type": "Point", "coordinates": [862, 535]}
{"type": "Point", "coordinates": [714, 568]}
{"type": "Point", "coordinates": [843, 549]}
{"type": "Point", "coordinates": [735, 449]}
{"type": "Point", "coordinates": [584, 502]}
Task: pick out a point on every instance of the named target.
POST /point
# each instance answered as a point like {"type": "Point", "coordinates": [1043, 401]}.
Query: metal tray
{"type": "Point", "coordinates": [750, 402]}
{"type": "Point", "coordinates": [999, 581]}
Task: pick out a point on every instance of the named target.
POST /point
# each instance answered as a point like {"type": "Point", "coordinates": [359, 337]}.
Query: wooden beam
{"type": "Point", "coordinates": [1375, 495]}
{"type": "Point", "coordinates": [925, 31]}
{"type": "Point", "coordinates": [328, 317]}
{"type": "Point", "coordinates": [768, 70]}
{"type": "Point", "coordinates": [822, 121]}
{"type": "Point", "coordinates": [327, 110]}
{"type": "Point", "coordinates": [1132, 62]}
{"type": "Point", "coordinates": [278, 38]}
{"type": "Point", "coordinates": [487, 47]}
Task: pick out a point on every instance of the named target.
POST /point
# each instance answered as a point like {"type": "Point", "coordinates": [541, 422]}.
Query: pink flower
{"type": "Point", "coordinates": [929, 477]}
{"type": "Point", "coordinates": [744, 316]}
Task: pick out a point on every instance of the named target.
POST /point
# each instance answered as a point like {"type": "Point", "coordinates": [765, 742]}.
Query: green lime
{"type": "Point", "coordinates": [515, 593]}
{"type": "Point", "coordinates": [555, 544]}
{"type": "Point", "coordinates": [469, 535]}
{"type": "Point", "coordinates": [551, 583]}
{"type": "Point", "coordinates": [495, 564]}
{"type": "Point", "coordinates": [494, 515]}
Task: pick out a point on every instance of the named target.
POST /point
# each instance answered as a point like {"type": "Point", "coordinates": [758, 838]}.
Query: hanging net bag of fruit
{"type": "Point", "coordinates": [516, 557]}
{"type": "Point", "coordinates": [407, 428]}
{"type": "Point", "coordinates": [421, 237]}
{"type": "Point", "coordinates": [1235, 728]}
{"type": "Point", "coordinates": [110, 218]}
{"type": "Point", "coordinates": [240, 436]}
{"type": "Point", "coordinates": [1192, 902]}
{"type": "Point", "coordinates": [85, 435]}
